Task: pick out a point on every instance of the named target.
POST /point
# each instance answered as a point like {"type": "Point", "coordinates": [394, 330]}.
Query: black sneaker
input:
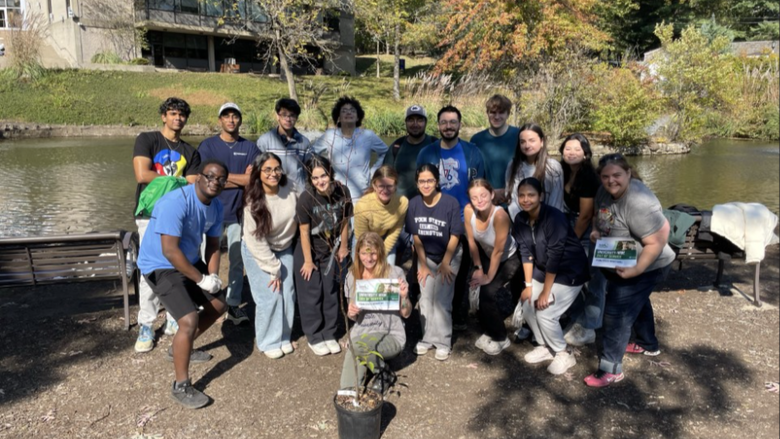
{"type": "Point", "coordinates": [195, 356]}
{"type": "Point", "coordinates": [188, 396]}
{"type": "Point", "coordinates": [237, 315]}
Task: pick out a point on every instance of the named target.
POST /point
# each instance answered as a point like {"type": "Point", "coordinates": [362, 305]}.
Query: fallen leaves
{"type": "Point", "coordinates": [148, 415]}
{"type": "Point", "coordinates": [772, 386]}
{"type": "Point", "coordinates": [49, 416]}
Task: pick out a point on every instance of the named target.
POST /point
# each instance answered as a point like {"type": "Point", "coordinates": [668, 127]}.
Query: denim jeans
{"type": "Point", "coordinates": [235, 286]}
{"type": "Point", "coordinates": [275, 309]}
{"type": "Point", "coordinates": [628, 307]}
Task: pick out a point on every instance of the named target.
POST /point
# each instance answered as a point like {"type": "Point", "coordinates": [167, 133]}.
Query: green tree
{"type": "Point", "coordinates": [694, 76]}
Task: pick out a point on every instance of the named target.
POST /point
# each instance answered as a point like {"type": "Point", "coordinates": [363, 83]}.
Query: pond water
{"type": "Point", "coordinates": [77, 185]}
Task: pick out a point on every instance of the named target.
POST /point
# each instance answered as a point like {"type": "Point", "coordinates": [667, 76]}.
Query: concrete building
{"type": "Point", "coordinates": [180, 34]}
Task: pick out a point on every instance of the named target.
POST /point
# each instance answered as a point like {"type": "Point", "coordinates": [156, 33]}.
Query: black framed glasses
{"type": "Point", "coordinates": [214, 179]}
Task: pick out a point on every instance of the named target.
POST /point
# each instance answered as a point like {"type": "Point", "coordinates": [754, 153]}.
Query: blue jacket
{"type": "Point", "coordinates": [551, 246]}
{"type": "Point", "coordinates": [474, 161]}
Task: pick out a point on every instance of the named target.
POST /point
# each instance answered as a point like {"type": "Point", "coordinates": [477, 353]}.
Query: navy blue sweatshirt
{"type": "Point", "coordinates": [551, 246]}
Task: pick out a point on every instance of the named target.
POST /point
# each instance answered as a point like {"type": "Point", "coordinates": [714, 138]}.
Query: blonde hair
{"type": "Point", "coordinates": [373, 241]}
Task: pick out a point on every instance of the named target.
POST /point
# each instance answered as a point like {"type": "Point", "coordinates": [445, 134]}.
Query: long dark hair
{"type": "Point", "coordinates": [254, 195]}
{"type": "Point", "coordinates": [428, 167]}
{"type": "Point", "coordinates": [317, 161]}
{"type": "Point", "coordinates": [520, 157]}
{"type": "Point", "coordinates": [586, 171]}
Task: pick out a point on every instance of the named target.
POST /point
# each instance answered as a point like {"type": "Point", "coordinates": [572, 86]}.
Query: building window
{"type": "Point", "coordinates": [10, 14]}
{"type": "Point", "coordinates": [188, 6]}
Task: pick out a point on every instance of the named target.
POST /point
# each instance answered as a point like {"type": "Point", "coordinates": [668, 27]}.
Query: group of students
{"type": "Point", "coordinates": [468, 220]}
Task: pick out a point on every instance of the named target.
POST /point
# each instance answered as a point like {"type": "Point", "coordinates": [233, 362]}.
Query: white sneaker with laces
{"type": "Point", "coordinates": [481, 341]}
{"type": "Point", "coordinates": [495, 347]}
{"type": "Point", "coordinates": [287, 348]}
{"type": "Point", "coordinates": [538, 355]}
{"type": "Point", "coordinates": [421, 349]}
{"type": "Point", "coordinates": [442, 354]}
{"type": "Point", "coordinates": [562, 362]}
{"type": "Point", "coordinates": [579, 336]}
{"type": "Point", "coordinates": [333, 346]}
{"type": "Point", "coordinates": [320, 348]}
{"type": "Point", "coordinates": [274, 354]}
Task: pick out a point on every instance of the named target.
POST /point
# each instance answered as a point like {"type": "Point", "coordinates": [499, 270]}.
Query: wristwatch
{"type": "Point", "coordinates": [478, 267]}
{"type": "Point", "coordinates": [529, 284]}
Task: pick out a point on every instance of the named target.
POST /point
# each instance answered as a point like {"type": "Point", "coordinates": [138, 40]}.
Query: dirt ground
{"type": "Point", "coordinates": [68, 370]}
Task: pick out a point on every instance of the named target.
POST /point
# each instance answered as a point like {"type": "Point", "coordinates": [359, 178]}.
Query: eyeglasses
{"type": "Point", "coordinates": [385, 187]}
{"type": "Point", "coordinates": [269, 171]}
{"type": "Point", "coordinates": [214, 179]}
{"type": "Point", "coordinates": [348, 110]}
{"type": "Point", "coordinates": [611, 158]}
{"type": "Point", "coordinates": [288, 116]}
{"type": "Point", "coordinates": [428, 182]}
{"type": "Point", "coordinates": [452, 123]}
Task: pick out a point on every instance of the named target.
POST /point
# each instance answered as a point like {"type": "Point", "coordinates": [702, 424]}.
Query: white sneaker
{"type": "Point", "coordinates": [170, 326]}
{"type": "Point", "coordinates": [421, 349]}
{"type": "Point", "coordinates": [481, 341]}
{"type": "Point", "coordinates": [287, 348]}
{"type": "Point", "coordinates": [442, 354]}
{"type": "Point", "coordinates": [274, 354]}
{"type": "Point", "coordinates": [539, 354]}
{"type": "Point", "coordinates": [579, 336]}
{"type": "Point", "coordinates": [495, 347]}
{"type": "Point", "coordinates": [319, 348]}
{"type": "Point", "coordinates": [333, 346]}
{"type": "Point", "coordinates": [561, 363]}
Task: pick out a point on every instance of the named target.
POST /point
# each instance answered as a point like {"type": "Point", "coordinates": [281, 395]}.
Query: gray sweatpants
{"type": "Point", "coordinates": [545, 324]}
{"type": "Point", "coordinates": [383, 343]}
{"type": "Point", "coordinates": [436, 305]}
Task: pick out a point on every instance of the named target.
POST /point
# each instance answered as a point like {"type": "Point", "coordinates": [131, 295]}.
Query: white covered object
{"type": "Point", "coordinates": [749, 226]}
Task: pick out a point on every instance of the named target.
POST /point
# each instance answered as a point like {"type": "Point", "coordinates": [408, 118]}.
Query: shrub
{"type": "Point", "coordinates": [623, 105]}
{"type": "Point", "coordinates": [385, 121]}
{"type": "Point", "coordinates": [257, 122]}
{"type": "Point", "coordinates": [107, 57]}
{"type": "Point", "coordinates": [139, 62]}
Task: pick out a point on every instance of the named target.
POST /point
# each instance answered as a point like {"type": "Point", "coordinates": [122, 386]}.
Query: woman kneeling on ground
{"type": "Point", "coordinates": [493, 250]}
{"type": "Point", "coordinates": [626, 208]}
{"type": "Point", "coordinates": [555, 261]}
{"type": "Point", "coordinates": [374, 332]}
{"type": "Point", "coordinates": [433, 219]}
{"type": "Point", "coordinates": [269, 230]}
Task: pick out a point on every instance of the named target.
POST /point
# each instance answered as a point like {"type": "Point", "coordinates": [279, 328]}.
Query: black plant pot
{"type": "Point", "coordinates": [359, 425]}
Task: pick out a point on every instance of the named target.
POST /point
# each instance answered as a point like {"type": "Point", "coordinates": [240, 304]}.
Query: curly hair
{"type": "Point", "coordinates": [342, 101]}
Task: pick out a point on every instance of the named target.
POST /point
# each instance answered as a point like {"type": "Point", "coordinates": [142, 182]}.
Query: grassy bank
{"type": "Point", "coordinates": [85, 97]}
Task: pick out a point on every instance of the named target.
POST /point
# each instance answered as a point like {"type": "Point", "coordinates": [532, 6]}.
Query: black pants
{"type": "Point", "coordinates": [460, 306]}
{"type": "Point", "coordinates": [490, 316]}
{"type": "Point", "coordinates": [318, 299]}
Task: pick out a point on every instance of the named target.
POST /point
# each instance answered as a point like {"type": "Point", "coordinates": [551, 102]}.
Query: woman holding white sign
{"type": "Point", "coordinates": [375, 330]}
{"type": "Point", "coordinates": [626, 208]}
{"type": "Point", "coordinates": [555, 262]}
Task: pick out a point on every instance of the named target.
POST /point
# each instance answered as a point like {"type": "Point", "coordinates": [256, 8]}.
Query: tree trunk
{"type": "Point", "coordinates": [377, 57]}
{"type": "Point", "coordinates": [396, 63]}
{"type": "Point", "coordinates": [286, 71]}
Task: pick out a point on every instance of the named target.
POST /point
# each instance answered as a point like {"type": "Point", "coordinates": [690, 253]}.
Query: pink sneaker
{"type": "Point", "coordinates": [603, 379]}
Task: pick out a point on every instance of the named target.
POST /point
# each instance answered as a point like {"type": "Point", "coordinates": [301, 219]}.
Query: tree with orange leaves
{"type": "Point", "coordinates": [499, 35]}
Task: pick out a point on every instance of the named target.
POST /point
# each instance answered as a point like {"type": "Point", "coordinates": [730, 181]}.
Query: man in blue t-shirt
{"type": "Point", "coordinates": [170, 261]}
{"type": "Point", "coordinates": [238, 154]}
{"type": "Point", "coordinates": [497, 143]}
{"type": "Point", "coordinates": [459, 162]}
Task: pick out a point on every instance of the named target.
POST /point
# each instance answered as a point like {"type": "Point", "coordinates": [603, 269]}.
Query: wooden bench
{"type": "Point", "coordinates": [694, 250]}
{"type": "Point", "coordinates": [45, 260]}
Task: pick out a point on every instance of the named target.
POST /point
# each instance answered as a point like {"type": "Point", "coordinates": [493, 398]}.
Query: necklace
{"type": "Point", "coordinates": [229, 144]}
{"type": "Point", "coordinates": [178, 143]}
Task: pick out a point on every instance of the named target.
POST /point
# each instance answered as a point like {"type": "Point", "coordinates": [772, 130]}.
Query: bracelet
{"type": "Point", "coordinates": [529, 284]}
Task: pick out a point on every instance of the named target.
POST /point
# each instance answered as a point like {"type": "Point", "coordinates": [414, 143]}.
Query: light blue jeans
{"type": "Point", "coordinates": [275, 310]}
{"type": "Point", "coordinates": [235, 286]}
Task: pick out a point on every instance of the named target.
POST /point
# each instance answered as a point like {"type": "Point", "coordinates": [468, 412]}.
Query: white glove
{"type": "Point", "coordinates": [517, 317]}
{"type": "Point", "coordinates": [474, 298]}
{"type": "Point", "coordinates": [210, 283]}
